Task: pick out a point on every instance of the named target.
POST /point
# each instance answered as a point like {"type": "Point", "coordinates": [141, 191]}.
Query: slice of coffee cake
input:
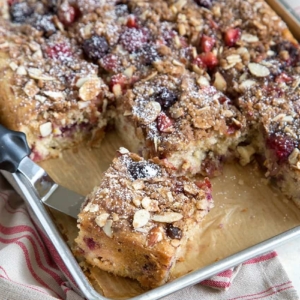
{"type": "Point", "coordinates": [183, 120]}
{"type": "Point", "coordinates": [137, 222]}
{"type": "Point", "coordinates": [48, 91]}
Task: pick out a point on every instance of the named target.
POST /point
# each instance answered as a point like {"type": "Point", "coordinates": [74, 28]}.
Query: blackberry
{"type": "Point", "coordinates": [173, 232]}
{"type": "Point", "coordinates": [166, 98]}
{"type": "Point", "coordinates": [149, 54]}
{"type": "Point", "coordinates": [204, 3]}
{"type": "Point", "coordinates": [96, 47]}
{"type": "Point", "coordinates": [20, 12]}
{"type": "Point", "coordinates": [139, 170]}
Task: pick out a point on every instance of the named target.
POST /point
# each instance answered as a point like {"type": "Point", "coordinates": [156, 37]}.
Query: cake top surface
{"type": "Point", "coordinates": [175, 110]}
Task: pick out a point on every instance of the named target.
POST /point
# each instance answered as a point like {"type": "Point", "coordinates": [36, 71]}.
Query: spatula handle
{"type": "Point", "coordinates": [13, 148]}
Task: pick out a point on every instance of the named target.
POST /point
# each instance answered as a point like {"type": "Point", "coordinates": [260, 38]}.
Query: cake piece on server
{"type": "Point", "coordinates": [138, 221]}
{"type": "Point", "coordinates": [48, 91]}
{"type": "Point", "coordinates": [182, 120]}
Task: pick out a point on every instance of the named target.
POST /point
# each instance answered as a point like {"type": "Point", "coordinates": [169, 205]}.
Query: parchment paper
{"type": "Point", "coordinates": [247, 210]}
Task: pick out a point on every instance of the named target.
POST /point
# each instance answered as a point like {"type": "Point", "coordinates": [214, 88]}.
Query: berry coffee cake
{"type": "Point", "coordinates": [189, 83]}
{"type": "Point", "coordinates": [48, 91]}
{"type": "Point", "coordinates": [137, 222]}
{"type": "Point", "coordinates": [182, 120]}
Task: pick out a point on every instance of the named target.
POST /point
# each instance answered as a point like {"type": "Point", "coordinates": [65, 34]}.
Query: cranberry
{"type": "Point", "coordinates": [60, 51]}
{"type": "Point", "coordinates": [149, 54]}
{"type": "Point", "coordinates": [133, 39]}
{"type": "Point", "coordinates": [20, 11]}
{"type": "Point", "coordinates": [164, 123]}
{"type": "Point", "coordinates": [110, 62]}
{"type": "Point", "coordinates": [282, 145]}
{"type": "Point", "coordinates": [173, 232]}
{"type": "Point", "coordinates": [118, 79]}
{"type": "Point", "coordinates": [142, 169]}
{"type": "Point", "coordinates": [207, 59]}
{"type": "Point", "coordinates": [166, 98]}
{"type": "Point", "coordinates": [66, 13]}
{"type": "Point", "coordinates": [204, 3]}
{"type": "Point", "coordinates": [90, 243]}
{"type": "Point", "coordinates": [131, 22]}
{"type": "Point", "coordinates": [283, 77]}
{"type": "Point", "coordinates": [207, 43]}
{"type": "Point", "coordinates": [203, 184]}
{"type": "Point", "coordinates": [231, 36]}
{"type": "Point", "coordinates": [96, 47]}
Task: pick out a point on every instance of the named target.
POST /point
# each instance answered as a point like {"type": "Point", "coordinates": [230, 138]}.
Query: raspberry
{"type": "Point", "coordinates": [282, 145]}
{"type": "Point", "coordinates": [60, 51]}
{"type": "Point", "coordinates": [131, 22]}
{"type": "Point", "coordinates": [207, 43]}
{"type": "Point", "coordinates": [231, 36]}
{"type": "Point", "coordinates": [90, 243]}
{"type": "Point", "coordinates": [164, 123]}
{"type": "Point", "coordinates": [203, 184]}
{"type": "Point", "coordinates": [66, 13]}
{"type": "Point", "coordinates": [110, 62]}
{"type": "Point", "coordinates": [133, 39]}
{"type": "Point", "coordinates": [118, 79]}
{"type": "Point", "coordinates": [283, 77]}
{"type": "Point", "coordinates": [207, 59]}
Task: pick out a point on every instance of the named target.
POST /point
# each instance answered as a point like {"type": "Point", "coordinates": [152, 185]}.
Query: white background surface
{"type": "Point", "coordinates": [289, 255]}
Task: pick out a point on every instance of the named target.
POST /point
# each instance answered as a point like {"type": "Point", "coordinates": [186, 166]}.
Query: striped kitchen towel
{"type": "Point", "coordinates": [27, 270]}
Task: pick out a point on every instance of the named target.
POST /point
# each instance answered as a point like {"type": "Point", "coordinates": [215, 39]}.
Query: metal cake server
{"type": "Point", "coordinates": [14, 158]}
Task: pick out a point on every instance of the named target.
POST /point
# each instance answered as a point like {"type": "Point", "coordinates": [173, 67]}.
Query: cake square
{"type": "Point", "coordinates": [48, 91]}
{"type": "Point", "coordinates": [137, 222]}
{"type": "Point", "coordinates": [183, 120]}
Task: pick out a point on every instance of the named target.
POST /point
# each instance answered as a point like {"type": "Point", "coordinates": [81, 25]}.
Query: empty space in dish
{"type": "Point", "coordinates": [247, 211]}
